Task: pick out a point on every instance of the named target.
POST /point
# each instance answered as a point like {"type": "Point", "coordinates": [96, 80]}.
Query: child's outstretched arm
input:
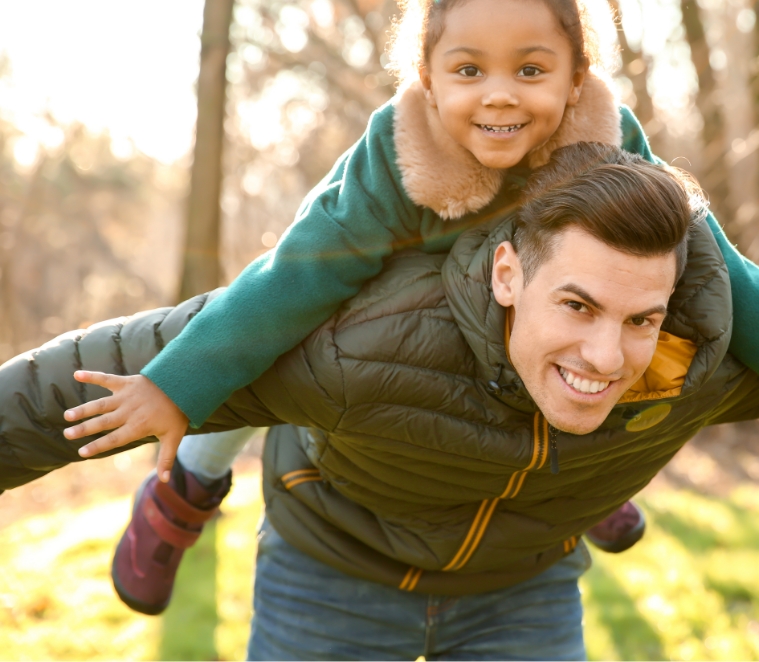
{"type": "Point", "coordinates": [136, 409]}
{"type": "Point", "coordinates": [744, 274]}
{"type": "Point", "coordinates": [355, 218]}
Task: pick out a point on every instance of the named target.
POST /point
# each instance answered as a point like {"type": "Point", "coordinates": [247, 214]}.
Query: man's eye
{"type": "Point", "coordinates": [469, 71]}
{"type": "Point", "coordinates": [529, 71]}
{"type": "Point", "coordinates": [576, 305]}
{"type": "Point", "coordinates": [639, 321]}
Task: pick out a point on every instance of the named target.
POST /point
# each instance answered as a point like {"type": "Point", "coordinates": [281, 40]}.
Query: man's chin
{"type": "Point", "coordinates": [575, 428]}
{"type": "Point", "coordinates": [576, 424]}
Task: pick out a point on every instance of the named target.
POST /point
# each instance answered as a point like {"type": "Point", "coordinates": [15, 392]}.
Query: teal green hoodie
{"type": "Point", "coordinates": [404, 184]}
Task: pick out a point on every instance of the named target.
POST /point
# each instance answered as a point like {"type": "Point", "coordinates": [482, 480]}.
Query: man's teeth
{"type": "Point", "coordinates": [580, 384]}
{"type": "Point", "coordinates": [502, 129]}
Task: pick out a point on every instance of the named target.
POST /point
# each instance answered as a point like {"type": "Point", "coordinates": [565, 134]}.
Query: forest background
{"type": "Point", "coordinates": [97, 221]}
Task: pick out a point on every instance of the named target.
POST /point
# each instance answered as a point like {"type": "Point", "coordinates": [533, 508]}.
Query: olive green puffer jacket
{"type": "Point", "coordinates": [419, 459]}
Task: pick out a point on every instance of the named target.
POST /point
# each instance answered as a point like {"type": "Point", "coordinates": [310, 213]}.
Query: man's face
{"type": "Point", "coordinates": [585, 328]}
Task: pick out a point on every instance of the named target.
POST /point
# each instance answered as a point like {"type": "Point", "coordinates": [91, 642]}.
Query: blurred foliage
{"type": "Point", "coordinates": [86, 235]}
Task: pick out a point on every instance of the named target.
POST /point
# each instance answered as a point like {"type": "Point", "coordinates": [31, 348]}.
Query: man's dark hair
{"type": "Point", "coordinates": [619, 198]}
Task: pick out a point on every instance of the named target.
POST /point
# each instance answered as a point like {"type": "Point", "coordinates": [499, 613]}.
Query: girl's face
{"type": "Point", "coordinates": [500, 77]}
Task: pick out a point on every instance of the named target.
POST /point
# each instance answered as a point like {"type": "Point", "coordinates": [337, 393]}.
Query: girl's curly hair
{"type": "Point", "coordinates": [421, 23]}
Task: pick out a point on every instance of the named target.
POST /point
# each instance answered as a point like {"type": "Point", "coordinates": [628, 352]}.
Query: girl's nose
{"type": "Point", "coordinates": [499, 94]}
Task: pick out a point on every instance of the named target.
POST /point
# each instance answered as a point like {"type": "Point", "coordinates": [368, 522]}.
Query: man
{"type": "Point", "coordinates": [461, 422]}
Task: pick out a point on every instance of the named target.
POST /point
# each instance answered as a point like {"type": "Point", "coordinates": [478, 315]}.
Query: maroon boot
{"type": "Point", "coordinates": [620, 530]}
{"type": "Point", "coordinates": [167, 518]}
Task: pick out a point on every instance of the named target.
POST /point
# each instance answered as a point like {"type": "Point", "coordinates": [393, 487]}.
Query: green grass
{"type": "Point", "coordinates": [690, 590]}
{"type": "Point", "coordinates": [57, 602]}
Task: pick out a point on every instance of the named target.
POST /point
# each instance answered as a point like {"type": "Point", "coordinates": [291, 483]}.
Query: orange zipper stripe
{"type": "Point", "coordinates": [294, 478]}
{"type": "Point", "coordinates": [539, 456]}
{"type": "Point", "coordinates": [406, 578]}
{"type": "Point", "coordinates": [522, 476]}
{"type": "Point", "coordinates": [414, 580]}
{"type": "Point", "coordinates": [512, 480]}
{"type": "Point", "coordinates": [547, 440]}
{"type": "Point", "coordinates": [411, 579]}
{"type": "Point", "coordinates": [469, 535]}
{"type": "Point", "coordinates": [516, 481]}
{"type": "Point", "coordinates": [299, 472]}
{"type": "Point", "coordinates": [480, 533]}
{"type": "Point", "coordinates": [305, 479]}
{"type": "Point", "coordinates": [536, 441]}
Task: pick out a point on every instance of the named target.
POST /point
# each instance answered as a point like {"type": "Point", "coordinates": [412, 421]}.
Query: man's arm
{"type": "Point", "coordinates": [741, 405]}
{"type": "Point", "coordinates": [38, 387]}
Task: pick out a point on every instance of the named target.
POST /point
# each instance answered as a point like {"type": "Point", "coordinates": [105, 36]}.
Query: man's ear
{"type": "Point", "coordinates": [507, 275]}
{"type": "Point", "coordinates": [578, 78]}
{"type": "Point", "coordinates": [426, 79]}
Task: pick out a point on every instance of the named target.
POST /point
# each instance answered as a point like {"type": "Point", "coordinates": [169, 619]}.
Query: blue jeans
{"type": "Point", "coordinates": [306, 610]}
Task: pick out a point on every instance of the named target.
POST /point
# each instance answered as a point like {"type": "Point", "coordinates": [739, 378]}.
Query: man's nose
{"type": "Point", "coordinates": [603, 349]}
{"type": "Point", "coordinates": [499, 93]}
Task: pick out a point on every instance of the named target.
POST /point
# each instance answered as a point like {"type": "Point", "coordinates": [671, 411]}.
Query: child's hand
{"type": "Point", "coordinates": [137, 409]}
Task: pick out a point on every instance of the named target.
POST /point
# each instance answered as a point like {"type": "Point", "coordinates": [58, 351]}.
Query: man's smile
{"type": "Point", "coordinates": [582, 384]}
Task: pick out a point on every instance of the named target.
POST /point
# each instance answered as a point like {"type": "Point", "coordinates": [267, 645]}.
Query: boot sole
{"type": "Point", "coordinates": [131, 602]}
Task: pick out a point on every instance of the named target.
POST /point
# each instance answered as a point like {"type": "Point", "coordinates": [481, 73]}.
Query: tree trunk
{"type": "Point", "coordinates": [699, 50]}
{"type": "Point", "coordinates": [201, 270]}
{"type": "Point", "coordinates": [636, 69]}
{"type": "Point", "coordinates": [712, 173]}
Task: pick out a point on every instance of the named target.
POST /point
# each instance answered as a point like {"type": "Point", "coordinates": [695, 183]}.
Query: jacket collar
{"type": "Point", "coordinates": [440, 174]}
{"type": "Point", "coordinates": [690, 348]}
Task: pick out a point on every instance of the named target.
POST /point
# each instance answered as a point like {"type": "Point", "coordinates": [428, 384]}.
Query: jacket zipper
{"type": "Point", "coordinates": [553, 449]}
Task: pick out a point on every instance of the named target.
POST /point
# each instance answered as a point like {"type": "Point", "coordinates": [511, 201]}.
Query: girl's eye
{"type": "Point", "coordinates": [529, 71]}
{"type": "Point", "coordinates": [469, 71]}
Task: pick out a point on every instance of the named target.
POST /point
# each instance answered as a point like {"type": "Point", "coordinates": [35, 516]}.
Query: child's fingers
{"type": "Point", "coordinates": [97, 425]}
{"type": "Point", "coordinates": [115, 439]}
{"type": "Point", "coordinates": [166, 455]}
{"type": "Point", "coordinates": [94, 408]}
{"type": "Point", "coordinates": [100, 379]}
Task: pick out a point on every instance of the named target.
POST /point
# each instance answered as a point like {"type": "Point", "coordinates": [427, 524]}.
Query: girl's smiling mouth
{"type": "Point", "coordinates": [499, 129]}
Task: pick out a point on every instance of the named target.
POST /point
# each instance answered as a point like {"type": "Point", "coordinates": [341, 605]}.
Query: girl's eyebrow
{"type": "Point", "coordinates": [521, 52]}
{"type": "Point", "coordinates": [531, 49]}
{"type": "Point", "coordinates": [464, 49]}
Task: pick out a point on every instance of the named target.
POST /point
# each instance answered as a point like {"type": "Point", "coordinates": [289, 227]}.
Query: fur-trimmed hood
{"type": "Point", "coordinates": [458, 183]}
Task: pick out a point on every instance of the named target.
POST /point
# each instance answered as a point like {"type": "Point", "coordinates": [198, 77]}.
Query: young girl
{"type": "Point", "coordinates": [489, 88]}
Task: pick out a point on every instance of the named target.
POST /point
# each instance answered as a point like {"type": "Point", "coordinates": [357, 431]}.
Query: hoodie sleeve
{"type": "Point", "coordinates": [744, 274]}
{"type": "Point", "coordinates": [357, 216]}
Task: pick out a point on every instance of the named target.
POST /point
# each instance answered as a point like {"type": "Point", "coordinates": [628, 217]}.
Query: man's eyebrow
{"type": "Point", "coordinates": [464, 49]}
{"type": "Point", "coordinates": [661, 310]}
{"type": "Point", "coordinates": [576, 289]}
{"type": "Point", "coordinates": [580, 292]}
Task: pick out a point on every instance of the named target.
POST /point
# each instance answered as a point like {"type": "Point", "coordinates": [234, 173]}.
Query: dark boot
{"type": "Point", "coordinates": [620, 530]}
{"type": "Point", "coordinates": [167, 518]}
